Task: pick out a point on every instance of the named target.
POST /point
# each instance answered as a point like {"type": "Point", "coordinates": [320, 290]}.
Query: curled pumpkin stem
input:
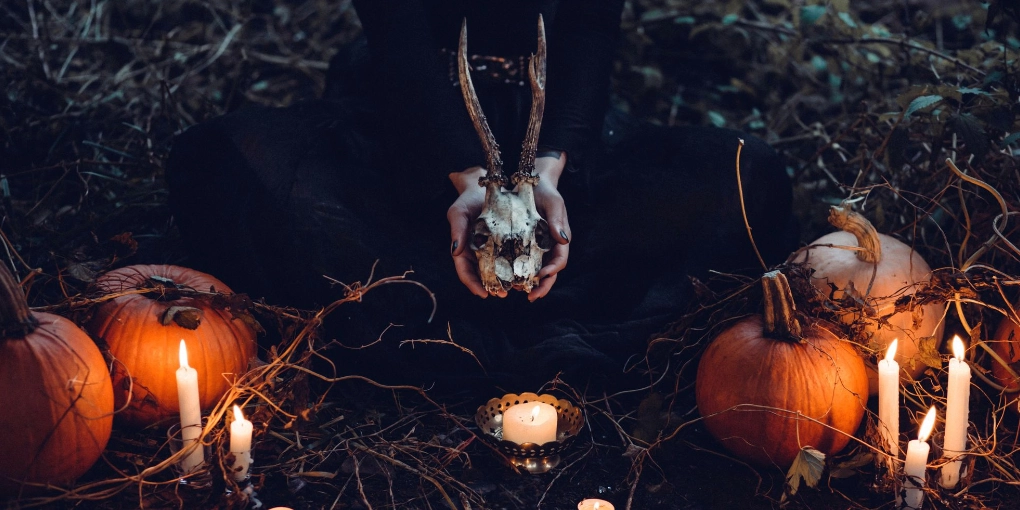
{"type": "Point", "coordinates": [780, 321]}
{"type": "Point", "coordinates": [852, 222]}
{"type": "Point", "coordinates": [16, 320]}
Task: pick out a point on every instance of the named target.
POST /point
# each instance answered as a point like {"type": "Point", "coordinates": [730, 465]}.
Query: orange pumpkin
{"type": "Point", "coordinates": [144, 326]}
{"type": "Point", "coordinates": [768, 386]}
{"type": "Point", "coordinates": [1006, 344]}
{"type": "Point", "coordinates": [879, 269]}
{"type": "Point", "coordinates": [55, 395]}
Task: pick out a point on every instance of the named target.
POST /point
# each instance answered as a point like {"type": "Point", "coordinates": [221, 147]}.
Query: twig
{"type": "Point", "coordinates": [414, 471]}
{"type": "Point", "coordinates": [907, 44]}
{"type": "Point", "coordinates": [1000, 219]}
{"type": "Point", "coordinates": [743, 209]}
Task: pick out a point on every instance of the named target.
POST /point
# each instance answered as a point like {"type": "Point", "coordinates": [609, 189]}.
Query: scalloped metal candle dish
{"type": "Point", "coordinates": [534, 458]}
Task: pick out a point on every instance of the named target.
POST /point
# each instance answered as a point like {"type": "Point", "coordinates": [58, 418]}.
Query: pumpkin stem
{"type": "Point", "coordinates": [780, 321]}
{"type": "Point", "coordinates": [852, 222]}
{"type": "Point", "coordinates": [16, 320]}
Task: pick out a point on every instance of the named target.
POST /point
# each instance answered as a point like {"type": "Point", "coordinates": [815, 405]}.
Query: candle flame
{"type": "Point", "coordinates": [959, 351]}
{"type": "Point", "coordinates": [237, 413]}
{"type": "Point", "coordinates": [184, 355]}
{"type": "Point", "coordinates": [890, 354]}
{"type": "Point", "coordinates": [927, 425]}
{"type": "Point", "coordinates": [535, 411]}
{"type": "Point", "coordinates": [597, 505]}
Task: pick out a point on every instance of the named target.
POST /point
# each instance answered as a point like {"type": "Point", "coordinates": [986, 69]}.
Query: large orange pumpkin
{"type": "Point", "coordinates": [144, 326]}
{"type": "Point", "coordinates": [56, 399]}
{"type": "Point", "coordinates": [768, 386]}
{"type": "Point", "coordinates": [861, 258]}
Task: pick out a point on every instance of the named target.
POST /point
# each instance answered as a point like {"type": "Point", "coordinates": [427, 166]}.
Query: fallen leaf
{"type": "Point", "coordinates": [807, 467]}
{"type": "Point", "coordinates": [928, 351]}
{"type": "Point", "coordinates": [849, 468]}
{"type": "Point", "coordinates": [187, 317]}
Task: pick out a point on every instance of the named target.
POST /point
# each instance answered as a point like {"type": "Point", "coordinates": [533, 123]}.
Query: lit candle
{"type": "Point", "coordinates": [240, 444]}
{"type": "Point", "coordinates": [191, 411]}
{"type": "Point", "coordinates": [957, 410]}
{"type": "Point", "coordinates": [917, 462]}
{"type": "Point", "coordinates": [889, 402]}
{"type": "Point", "coordinates": [532, 422]}
{"type": "Point", "coordinates": [595, 504]}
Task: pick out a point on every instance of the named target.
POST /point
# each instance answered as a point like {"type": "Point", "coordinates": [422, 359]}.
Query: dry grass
{"type": "Point", "coordinates": [96, 89]}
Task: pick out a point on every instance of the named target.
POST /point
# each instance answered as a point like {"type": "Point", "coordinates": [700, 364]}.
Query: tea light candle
{"type": "Point", "coordinates": [957, 411]}
{"type": "Point", "coordinates": [531, 422]}
{"type": "Point", "coordinates": [595, 504]}
{"type": "Point", "coordinates": [191, 411]}
{"type": "Point", "coordinates": [917, 462]}
{"type": "Point", "coordinates": [240, 444]}
{"type": "Point", "coordinates": [889, 402]}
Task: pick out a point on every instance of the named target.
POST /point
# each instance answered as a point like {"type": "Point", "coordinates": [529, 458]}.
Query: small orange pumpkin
{"type": "Point", "coordinates": [768, 386]}
{"type": "Point", "coordinates": [144, 326]}
{"type": "Point", "coordinates": [55, 395]}
{"type": "Point", "coordinates": [1006, 344]}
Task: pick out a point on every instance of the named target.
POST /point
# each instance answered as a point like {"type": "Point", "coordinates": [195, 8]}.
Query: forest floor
{"type": "Point", "coordinates": [866, 100]}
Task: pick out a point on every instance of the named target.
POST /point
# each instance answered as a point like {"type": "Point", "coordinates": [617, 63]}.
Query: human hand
{"type": "Point", "coordinates": [549, 166]}
{"type": "Point", "coordinates": [461, 215]}
{"type": "Point", "coordinates": [549, 203]}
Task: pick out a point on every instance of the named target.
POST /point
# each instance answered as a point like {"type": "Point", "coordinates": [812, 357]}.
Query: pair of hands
{"type": "Point", "coordinates": [468, 206]}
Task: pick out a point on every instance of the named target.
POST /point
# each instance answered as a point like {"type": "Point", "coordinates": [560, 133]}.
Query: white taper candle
{"type": "Point", "coordinates": [917, 463]}
{"type": "Point", "coordinates": [957, 414]}
{"type": "Point", "coordinates": [240, 444]}
{"type": "Point", "coordinates": [191, 411]}
{"type": "Point", "coordinates": [889, 403]}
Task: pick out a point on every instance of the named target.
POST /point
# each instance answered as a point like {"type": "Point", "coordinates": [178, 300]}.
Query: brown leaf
{"type": "Point", "coordinates": [928, 351]}
{"type": "Point", "coordinates": [649, 418]}
{"type": "Point", "coordinates": [82, 272]}
{"type": "Point", "coordinates": [849, 468]}
{"type": "Point", "coordinates": [187, 317]}
{"type": "Point", "coordinates": [124, 245]}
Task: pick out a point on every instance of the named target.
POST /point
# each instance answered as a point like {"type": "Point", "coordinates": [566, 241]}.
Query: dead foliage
{"type": "Point", "coordinates": [867, 100]}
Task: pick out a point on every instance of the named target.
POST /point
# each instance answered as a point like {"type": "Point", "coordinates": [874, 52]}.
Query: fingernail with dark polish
{"type": "Point", "coordinates": [564, 235]}
{"type": "Point", "coordinates": [453, 248]}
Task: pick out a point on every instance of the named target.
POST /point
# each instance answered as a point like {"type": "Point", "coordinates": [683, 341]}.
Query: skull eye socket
{"type": "Point", "coordinates": [481, 235]}
{"type": "Point", "coordinates": [542, 236]}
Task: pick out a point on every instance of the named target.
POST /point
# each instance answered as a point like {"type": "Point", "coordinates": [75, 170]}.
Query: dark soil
{"type": "Point", "coordinates": [865, 99]}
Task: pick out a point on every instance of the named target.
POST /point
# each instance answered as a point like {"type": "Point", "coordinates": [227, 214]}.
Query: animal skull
{"type": "Point", "coordinates": [510, 237]}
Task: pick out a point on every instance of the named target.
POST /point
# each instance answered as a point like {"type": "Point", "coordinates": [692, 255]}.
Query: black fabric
{"type": "Point", "coordinates": [274, 201]}
{"type": "Point", "coordinates": [413, 83]}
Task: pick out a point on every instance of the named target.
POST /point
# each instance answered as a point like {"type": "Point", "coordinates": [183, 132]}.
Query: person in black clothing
{"type": "Point", "coordinates": [273, 200]}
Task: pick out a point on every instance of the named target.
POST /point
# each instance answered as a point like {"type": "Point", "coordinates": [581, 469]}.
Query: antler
{"type": "Point", "coordinates": [536, 72]}
{"type": "Point", "coordinates": [494, 165]}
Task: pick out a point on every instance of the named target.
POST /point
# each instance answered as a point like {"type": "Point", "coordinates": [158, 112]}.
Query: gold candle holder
{"type": "Point", "coordinates": [533, 458]}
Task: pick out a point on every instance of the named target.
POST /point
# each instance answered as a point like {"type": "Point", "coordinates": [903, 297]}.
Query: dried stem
{"type": "Point", "coordinates": [16, 320]}
{"type": "Point", "coordinates": [743, 208]}
{"type": "Point", "coordinates": [780, 320]}
{"type": "Point", "coordinates": [852, 222]}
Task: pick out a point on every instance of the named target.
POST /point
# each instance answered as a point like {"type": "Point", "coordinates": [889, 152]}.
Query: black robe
{"type": "Point", "coordinates": [273, 201]}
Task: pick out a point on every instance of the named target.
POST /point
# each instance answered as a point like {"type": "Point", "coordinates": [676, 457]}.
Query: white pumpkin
{"type": "Point", "coordinates": [881, 269]}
